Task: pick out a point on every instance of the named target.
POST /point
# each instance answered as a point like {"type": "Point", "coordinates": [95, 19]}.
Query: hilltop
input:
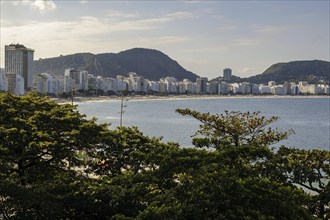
{"type": "Point", "coordinates": [309, 70]}
{"type": "Point", "coordinates": [152, 64]}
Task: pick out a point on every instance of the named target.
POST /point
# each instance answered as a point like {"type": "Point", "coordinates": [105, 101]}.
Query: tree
{"type": "Point", "coordinates": [39, 142]}
{"type": "Point", "coordinates": [56, 164]}
{"type": "Point", "coordinates": [126, 149]}
{"type": "Point", "coordinates": [309, 169]}
{"type": "Point", "coordinates": [234, 128]}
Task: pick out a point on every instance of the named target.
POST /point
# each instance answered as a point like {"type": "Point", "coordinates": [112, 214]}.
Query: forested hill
{"type": "Point", "coordinates": [152, 64]}
{"type": "Point", "coordinates": [310, 70]}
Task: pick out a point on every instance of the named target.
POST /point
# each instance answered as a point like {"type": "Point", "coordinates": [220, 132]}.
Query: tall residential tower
{"type": "Point", "coordinates": [19, 61]}
{"type": "Point", "coordinates": [227, 73]}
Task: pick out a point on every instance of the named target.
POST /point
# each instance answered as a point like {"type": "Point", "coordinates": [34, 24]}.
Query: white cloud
{"type": "Point", "coordinates": [180, 15]}
{"type": "Point", "coordinates": [143, 24]}
{"type": "Point", "coordinates": [40, 5]}
{"type": "Point", "coordinates": [120, 15]}
{"type": "Point", "coordinates": [83, 1]}
{"type": "Point", "coordinates": [81, 34]}
{"type": "Point", "coordinates": [133, 17]}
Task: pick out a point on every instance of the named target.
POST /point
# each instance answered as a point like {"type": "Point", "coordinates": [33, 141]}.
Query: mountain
{"type": "Point", "coordinates": [310, 70]}
{"type": "Point", "coordinates": [152, 64]}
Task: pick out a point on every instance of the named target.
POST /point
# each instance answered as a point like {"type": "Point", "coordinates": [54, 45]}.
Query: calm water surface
{"type": "Point", "coordinates": [308, 117]}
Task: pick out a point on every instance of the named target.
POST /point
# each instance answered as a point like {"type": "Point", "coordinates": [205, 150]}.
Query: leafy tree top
{"type": "Point", "coordinates": [38, 134]}
{"type": "Point", "coordinates": [234, 128]}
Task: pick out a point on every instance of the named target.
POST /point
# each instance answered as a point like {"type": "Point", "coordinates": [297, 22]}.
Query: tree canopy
{"type": "Point", "coordinates": [57, 164]}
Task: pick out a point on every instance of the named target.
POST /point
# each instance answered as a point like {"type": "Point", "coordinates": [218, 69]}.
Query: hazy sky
{"type": "Point", "coordinates": [203, 36]}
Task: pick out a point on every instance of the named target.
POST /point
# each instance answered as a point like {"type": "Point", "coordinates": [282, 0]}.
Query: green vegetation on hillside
{"type": "Point", "coordinates": [312, 71]}
{"type": "Point", "coordinates": [151, 64]}
{"type": "Point", "coordinates": [56, 164]}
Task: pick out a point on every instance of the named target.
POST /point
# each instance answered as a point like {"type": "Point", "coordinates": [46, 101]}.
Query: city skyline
{"type": "Point", "coordinates": [204, 37]}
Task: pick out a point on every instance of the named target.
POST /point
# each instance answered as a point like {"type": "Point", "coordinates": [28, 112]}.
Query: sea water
{"type": "Point", "coordinates": [308, 117]}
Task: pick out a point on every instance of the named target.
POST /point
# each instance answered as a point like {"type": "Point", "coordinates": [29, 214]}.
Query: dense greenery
{"type": "Point", "coordinates": [311, 71]}
{"type": "Point", "coordinates": [56, 164]}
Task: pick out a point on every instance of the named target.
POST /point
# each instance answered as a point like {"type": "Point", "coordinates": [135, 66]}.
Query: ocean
{"type": "Point", "coordinates": [308, 117]}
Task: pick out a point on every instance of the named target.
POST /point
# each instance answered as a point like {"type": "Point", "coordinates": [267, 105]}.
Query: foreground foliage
{"type": "Point", "coordinates": [56, 164]}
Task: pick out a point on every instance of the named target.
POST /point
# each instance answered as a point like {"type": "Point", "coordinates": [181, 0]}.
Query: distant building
{"type": "Point", "coordinates": [227, 73]}
{"type": "Point", "coordinates": [153, 86]}
{"type": "Point", "coordinates": [47, 83]}
{"type": "Point", "coordinates": [224, 88]}
{"type": "Point", "coordinates": [3, 82]}
{"type": "Point", "coordinates": [201, 85]}
{"type": "Point", "coordinates": [121, 83]}
{"type": "Point", "coordinates": [264, 89]}
{"type": "Point", "coordinates": [72, 77]}
{"type": "Point", "coordinates": [136, 83]}
{"type": "Point", "coordinates": [11, 77]}
{"type": "Point", "coordinates": [271, 83]}
{"type": "Point", "coordinates": [19, 61]}
{"type": "Point", "coordinates": [171, 84]}
{"type": "Point", "coordinates": [214, 87]}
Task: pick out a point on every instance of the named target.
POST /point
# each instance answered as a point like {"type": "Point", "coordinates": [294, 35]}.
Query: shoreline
{"type": "Point", "coordinates": [178, 97]}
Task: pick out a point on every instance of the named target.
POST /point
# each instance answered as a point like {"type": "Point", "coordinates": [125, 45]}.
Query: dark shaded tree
{"type": "Point", "coordinates": [39, 145]}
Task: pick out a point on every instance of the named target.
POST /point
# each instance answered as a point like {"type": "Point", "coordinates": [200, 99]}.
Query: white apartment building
{"type": "Point", "coordinates": [236, 88]}
{"type": "Point", "coordinates": [153, 86]}
{"type": "Point", "coordinates": [136, 83]}
{"type": "Point", "coordinates": [171, 84]}
{"type": "Point", "coordinates": [101, 84]}
{"type": "Point", "coordinates": [47, 83]}
{"type": "Point", "coordinates": [112, 84]}
{"type": "Point", "coordinates": [68, 84]}
{"type": "Point", "coordinates": [19, 60]}
{"type": "Point", "coordinates": [264, 89]}
{"type": "Point", "coordinates": [246, 88]}
{"type": "Point", "coordinates": [92, 83]}
{"type": "Point", "coordinates": [122, 84]}
{"type": "Point", "coordinates": [190, 87]}
{"type": "Point", "coordinates": [76, 80]}
{"type": "Point", "coordinates": [181, 88]}
{"type": "Point", "coordinates": [20, 88]}
{"type": "Point", "coordinates": [83, 80]}
{"type": "Point", "coordinates": [278, 90]}
{"type": "Point", "coordinates": [271, 83]}
{"type": "Point", "coordinates": [224, 88]}
{"type": "Point", "coordinates": [294, 89]}
{"type": "Point", "coordinates": [162, 87]}
{"type": "Point", "coordinates": [79, 79]}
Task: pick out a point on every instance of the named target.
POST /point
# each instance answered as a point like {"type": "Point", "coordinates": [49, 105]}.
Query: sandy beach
{"type": "Point", "coordinates": [77, 100]}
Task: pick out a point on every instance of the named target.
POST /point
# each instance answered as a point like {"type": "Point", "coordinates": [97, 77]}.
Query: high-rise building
{"type": "Point", "coordinates": [19, 61]}
{"type": "Point", "coordinates": [201, 85]}
{"type": "Point", "coordinates": [227, 73]}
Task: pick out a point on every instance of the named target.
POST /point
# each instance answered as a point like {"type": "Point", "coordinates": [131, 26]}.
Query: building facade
{"type": "Point", "coordinates": [19, 61]}
{"type": "Point", "coordinates": [227, 73]}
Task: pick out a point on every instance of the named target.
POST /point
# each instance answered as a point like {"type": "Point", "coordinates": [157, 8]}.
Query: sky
{"type": "Point", "coordinates": [202, 36]}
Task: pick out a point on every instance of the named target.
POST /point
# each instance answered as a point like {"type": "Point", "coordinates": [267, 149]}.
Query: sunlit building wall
{"type": "Point", "coordinates": [19, 60]}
